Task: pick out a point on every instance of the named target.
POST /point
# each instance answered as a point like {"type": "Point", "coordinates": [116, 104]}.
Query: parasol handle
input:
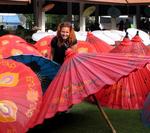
{"type": "Point", "coordinates": [104, 114]}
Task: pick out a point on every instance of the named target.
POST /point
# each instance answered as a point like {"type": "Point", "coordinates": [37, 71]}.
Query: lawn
{"type": "Point", "coordinates": [86, 118]}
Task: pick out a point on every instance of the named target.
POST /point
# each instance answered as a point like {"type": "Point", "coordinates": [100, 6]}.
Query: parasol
{"type": "Point", "coordinates": [81, 35]}
{"type": "Point", "coordinates": [125, 46]}
{"type": "Point", "coordinates": [43, 46]}
{"type": "Point", "coordinates": [113, 35]}
{"type": "Point", "coordinates": [143, 35]}
{"type": "Point", "coordinates": [88, 11]}
{"type": "Point", "coordinates": [39, 35]}
{"type": "Point", "coordinates": [84, 47]}
{"type": "Point", "coordinates": [13, 45]}
{"type": "Point", "coordinates": [130, 91]}
{"type": "Point", "coordinates": [98, 44]}
{"type": "Point", "coordinates": [82, 75]}
{"type": "Point", "coordinates": [44, 68]}
{"type": "Point", "coordinates": [102, 36]}
{"type": "Point", "coordinates": [48, 7]}
{"type": "Point", "coordinates": [20, 97]}
{"type": "Point", "coordinates": [145, 114]}
{"type": "Point", "coordinates": [134, 46]}
{"type": "Point", "coordinates": [139, 46]}
{"type": "Point", "coordinates": [5, 39]}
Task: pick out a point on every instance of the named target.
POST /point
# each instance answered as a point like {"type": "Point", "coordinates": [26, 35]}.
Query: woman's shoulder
{"type": "Point", "coordinates": [54, 40]}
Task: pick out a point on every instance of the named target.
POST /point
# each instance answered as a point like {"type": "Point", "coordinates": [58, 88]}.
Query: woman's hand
{"type": "Point", "coordinates": [69, 52]}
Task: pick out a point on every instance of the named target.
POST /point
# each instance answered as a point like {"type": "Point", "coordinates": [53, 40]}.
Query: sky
{"type": "Point", "coordinates": [9, 18]}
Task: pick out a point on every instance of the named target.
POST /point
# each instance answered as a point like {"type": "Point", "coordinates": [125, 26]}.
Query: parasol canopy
{"type": "Point", "coordinates": [134, 46]}
{"type": "Point", "coordinates": [44, 68]}
{"type": "Point", "coordinates": [84, 47]}
{"type": "Point", "coordinates": [145, 114]}
{"type": "Point", "coordinates": [82, 75]}
{"type": "Point", "coordinates": [143, 35]}
{"type": "Point", "coordinates": [88, 11]}
{"type": "Point", "coordinates": [13, 45]}
{"type": "Point", "coordinates": [129, 92]}
{"type": "Point", "coordinates": [20, 97]}
{"type": "Point", "coordinates": [39, 35]}
{"type": "Point", "coordinates": [99, 34]}
{"type": "Point", "coordinates": [48, 7]}
{"type": "Point", "coordinates": [139, 46]}
{"type": "Point", "coordinates": [43, 46]}
{"type": "Point", "coordinates": [125, 46]}
{"type": "Point", "coordinates": [99, 45]}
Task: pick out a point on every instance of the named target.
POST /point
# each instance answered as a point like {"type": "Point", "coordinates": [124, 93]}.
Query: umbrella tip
{"type": "Point", "coordinates": [126, 35]}
{"type": "Point", "coordinates": [137, 33]}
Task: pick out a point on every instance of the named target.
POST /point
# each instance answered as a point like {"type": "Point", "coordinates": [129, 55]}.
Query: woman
{"type": "Point", "coordinates": [64, 39]}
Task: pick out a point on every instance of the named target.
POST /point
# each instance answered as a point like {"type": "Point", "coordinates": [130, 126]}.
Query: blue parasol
{"type": "Point", "coordinates": [44, 68]}
{"type": "Point", "coordinates": [145, 114]}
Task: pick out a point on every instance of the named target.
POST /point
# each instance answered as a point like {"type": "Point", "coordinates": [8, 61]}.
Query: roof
{"type": "Point", "coordinates": [61, 7]}
{"type": "Point", "coordinates": [109, 1]}
{"type": "Point", "coordinates": [14, 2]}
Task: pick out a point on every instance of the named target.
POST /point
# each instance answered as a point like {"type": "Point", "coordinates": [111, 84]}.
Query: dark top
{"type": "Point", "coordinates": [59, 51]}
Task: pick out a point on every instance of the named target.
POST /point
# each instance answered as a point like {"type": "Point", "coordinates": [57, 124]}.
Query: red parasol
{"type": "Point", "coordinates": [131, 91]}
{"type": "Point", "coordinates": [139, 46]}
{"type": "Point", "coordinates": [99, 44]}
{"type": "Point", "coordinates": [128, 93]}
{"type": "Point", "coordinates": [84, 47]}
{"type": "Point", "coordinates": [20, 97]}
{"type": "Point", "coordinates": [125, 46]}
{"type": "Point", "coordinates": [12, 45]}
{"type": "Point", "coordinates": [6, 39]}
{"type": "Point", "coordinates": [134, 46]}
{"type": "Point", "coordinates": [82, 75]}
{"type": "Point", "coordinates": [43, 46]}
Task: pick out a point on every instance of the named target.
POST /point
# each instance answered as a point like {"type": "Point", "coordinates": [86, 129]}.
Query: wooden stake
{"type": "Point", "coordinates": [104, 115]}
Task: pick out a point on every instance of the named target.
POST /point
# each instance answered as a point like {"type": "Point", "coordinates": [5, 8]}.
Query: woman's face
{"type": "Point", "coordinates": [65, 32]}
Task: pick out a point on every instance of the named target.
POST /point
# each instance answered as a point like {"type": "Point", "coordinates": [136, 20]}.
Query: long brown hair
{"type": "Point", "coordinates": [72, 36]}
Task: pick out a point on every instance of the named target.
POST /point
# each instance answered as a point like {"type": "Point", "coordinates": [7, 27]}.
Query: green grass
{"type": "Point", "coordinates": [86, 118]}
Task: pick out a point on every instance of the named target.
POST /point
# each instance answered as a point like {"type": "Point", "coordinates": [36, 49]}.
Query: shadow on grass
{"type": "Point", "coordinates": [86, 118]}
{"type": "Point", "coordinates": [82, 118]}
